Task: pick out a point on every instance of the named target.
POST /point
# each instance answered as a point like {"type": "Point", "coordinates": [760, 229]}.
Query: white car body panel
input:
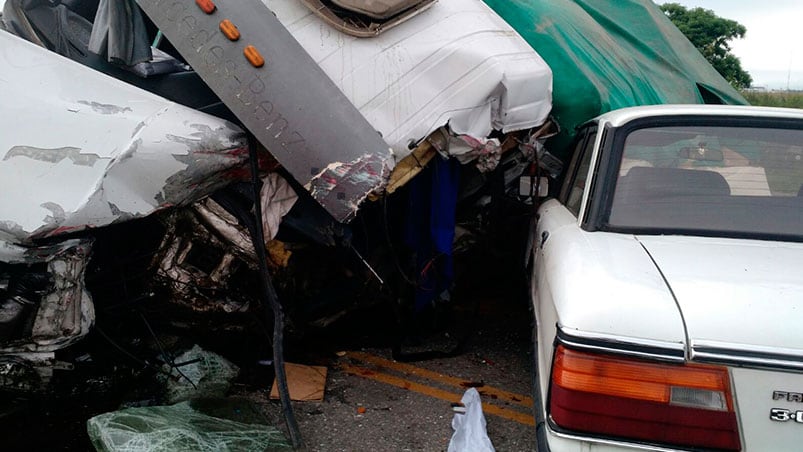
{"type": "Point", "coordinates": [736, 292]}
{"type": "Point", "coordinates": [622, 116]}
{"type": "Point", "coordinates": [101, 149]}
{"type": "Point", "coordinates": [457, 62]}
{"type": "Point", "coordinates": [587, 280]}
{"type": "Point", "coordinates": [617, 276]}
{"type": "Point", "coordinates": [754, 389]}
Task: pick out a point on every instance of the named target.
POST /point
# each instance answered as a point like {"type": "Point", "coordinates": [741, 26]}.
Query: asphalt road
{"type": "Point", "coordinates": [375, 403]}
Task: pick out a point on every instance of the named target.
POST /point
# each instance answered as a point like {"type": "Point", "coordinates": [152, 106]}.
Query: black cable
{"type": "Point", "coordinates": [165, 356]}
{"type": "Point", "coordinates": [244, 216]}
{"type": "Point", "coordinates": [133, 357]}
{"type": "Point", "coordinates": [258, 239]}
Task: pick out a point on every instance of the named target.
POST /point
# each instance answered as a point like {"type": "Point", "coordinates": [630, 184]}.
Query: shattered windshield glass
{"type": "Point", "coordinates": [712, 180]}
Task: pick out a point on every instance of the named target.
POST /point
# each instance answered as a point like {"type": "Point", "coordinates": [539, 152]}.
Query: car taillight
{"type": "Point", "coordinates": [684, 405]}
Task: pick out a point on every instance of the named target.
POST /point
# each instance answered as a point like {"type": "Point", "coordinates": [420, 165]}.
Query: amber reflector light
{"type": "Point", "coordinates": [207, 6]}
{"type": "Point", "coordinates": [229, 30]}
{"type": "Point", "coordinates": [253, 56]}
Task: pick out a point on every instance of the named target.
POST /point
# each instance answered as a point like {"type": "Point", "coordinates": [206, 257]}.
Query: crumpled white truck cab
{"type": "Point", "coordinates": [90, 139]}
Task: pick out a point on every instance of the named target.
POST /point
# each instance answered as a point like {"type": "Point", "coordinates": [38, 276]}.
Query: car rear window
{"type": "Point", "coordinates": [715, 180]}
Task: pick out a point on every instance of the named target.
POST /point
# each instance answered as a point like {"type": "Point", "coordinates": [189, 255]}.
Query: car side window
{"type": "Point", "coordinates": [574, 196]}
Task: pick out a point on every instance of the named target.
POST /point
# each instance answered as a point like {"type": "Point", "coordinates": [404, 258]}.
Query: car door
{"type": "Point", "coordinates": [557, 219]}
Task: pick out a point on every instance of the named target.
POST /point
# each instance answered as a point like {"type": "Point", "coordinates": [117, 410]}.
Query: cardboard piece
{"type": "Point", "coordinates": [305, 383]}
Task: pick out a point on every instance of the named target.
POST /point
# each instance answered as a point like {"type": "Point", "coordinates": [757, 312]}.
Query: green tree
{"type": "Point", "coordinates": [711, 35]}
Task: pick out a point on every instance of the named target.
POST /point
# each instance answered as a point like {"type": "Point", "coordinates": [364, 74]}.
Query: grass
{"type": "Point", "coordinates": [789, 99]}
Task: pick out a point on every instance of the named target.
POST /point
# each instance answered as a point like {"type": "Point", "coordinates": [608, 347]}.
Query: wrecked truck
{"type": "Point", "coordinates": [131, 132]}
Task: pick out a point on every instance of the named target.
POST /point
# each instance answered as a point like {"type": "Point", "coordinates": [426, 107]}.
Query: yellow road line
{"type": "Point", "coordinates": [488, 391]}
{"type": "Point", "coordinates": [522, 418]}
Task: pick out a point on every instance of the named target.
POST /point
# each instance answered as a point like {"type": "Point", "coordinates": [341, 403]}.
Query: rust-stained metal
{"type": "Point", "coordinates": [203, 286]}
{"type": "Point", "coordinates": [208, 228]}
{"type": "Point", "coordinates": [227, 227]}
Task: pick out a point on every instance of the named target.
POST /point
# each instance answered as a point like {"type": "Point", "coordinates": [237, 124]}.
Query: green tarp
{"type": "Point", "coordinates": [606, 55]}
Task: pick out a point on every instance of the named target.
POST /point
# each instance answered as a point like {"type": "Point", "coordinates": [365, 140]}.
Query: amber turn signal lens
{"type": "Point", "coordinates": [253, 56]}
{"type": "Point", "coordinates": [635, 379]}
{"type": "Point", "coordinates": [688, 405]}
{"type": "Point", "coordinates": [229, 30]}
{"type": "Point", "coordinates": [207, 6]}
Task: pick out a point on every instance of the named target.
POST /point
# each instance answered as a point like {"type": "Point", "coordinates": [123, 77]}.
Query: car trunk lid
{"type": "Point", "coordinates": [739, 299]}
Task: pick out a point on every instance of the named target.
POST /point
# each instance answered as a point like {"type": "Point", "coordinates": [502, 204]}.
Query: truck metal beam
{"type": "Point", "coordinates": [289, 104]}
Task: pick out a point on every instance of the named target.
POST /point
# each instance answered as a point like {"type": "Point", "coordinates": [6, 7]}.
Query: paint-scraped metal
{"type": "Point", "coordinates": [100, 152]}
{"type": "Point", "coordinates": [362, 175]}
{"type": "Point", "coordinates": [53, 155]}
{"type": "Point", "coordinates": [105, 109]}
{"type": "Point", "coordinates": [290, 105]}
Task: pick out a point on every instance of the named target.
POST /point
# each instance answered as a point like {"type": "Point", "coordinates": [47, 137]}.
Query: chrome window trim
{"type": "Point", "coordinates": [747, 355]}
{"type": "Point", "coordinates": [619, 345]}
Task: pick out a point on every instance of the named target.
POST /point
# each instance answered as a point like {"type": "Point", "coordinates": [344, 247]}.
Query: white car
{"type": "Point", "coordinates": [667, 284]}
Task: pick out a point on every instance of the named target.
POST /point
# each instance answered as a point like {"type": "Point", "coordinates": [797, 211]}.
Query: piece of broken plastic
{"type": "Point", "coordinates": [203, 374]}
{"type": "Point", "coordinates": [179, 428]}
{"type": "Point", "coordinates": [470, 434]}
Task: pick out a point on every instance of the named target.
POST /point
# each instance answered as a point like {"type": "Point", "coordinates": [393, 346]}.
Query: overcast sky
{"type": "Point", "coordinates": [774, 42]}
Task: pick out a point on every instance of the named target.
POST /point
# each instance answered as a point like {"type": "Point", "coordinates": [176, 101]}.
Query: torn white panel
{"type": "Point", "coordinates": [65, 313]}
{"type": "Point", "coordinates": [80, 149]}
{"type": "Point", "coordinates": [277, 198]}
{"type": "Point", "coordinates": [487, 153]}
{"type": "Point", "coordinates": [457, 63]}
